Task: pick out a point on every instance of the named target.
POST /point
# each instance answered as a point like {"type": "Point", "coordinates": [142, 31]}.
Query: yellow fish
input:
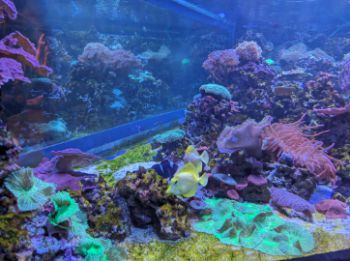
{"type": "Point", "coordinates": [192, 155]}
{"type": "Point", "coordinates": [185, 182]}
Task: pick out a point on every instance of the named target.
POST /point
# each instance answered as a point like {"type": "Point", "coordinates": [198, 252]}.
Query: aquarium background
{"type": "Point", "coordinates": [242, 107]}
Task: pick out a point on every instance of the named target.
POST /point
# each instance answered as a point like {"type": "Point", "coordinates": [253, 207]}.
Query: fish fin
{"type": "Point", "coordinates": [188, 168]}
{"type": "Point", "coordinates": [189, 149]}
{"type": "Point", "coordinates": [169, 190]}
{"type": "Point", "coordinates": [205, 157]}
{"type": "Point", "coordinates": [203, 180]}
{"type": "Point", "coordinates": [198, 167]}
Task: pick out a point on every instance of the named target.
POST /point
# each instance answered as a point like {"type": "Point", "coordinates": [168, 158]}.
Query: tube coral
{"type": "Point", "coordinates": [290, 139]}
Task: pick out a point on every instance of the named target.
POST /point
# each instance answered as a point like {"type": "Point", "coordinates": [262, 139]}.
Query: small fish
{"type": "Point", "coordinates": [269, 61]}
{"type": "Point", "coordinates": [192, 155]}
{"type": "Point", "coordinates": [35, 101]}
{"type": "Point", "coordinates": [185, 182]}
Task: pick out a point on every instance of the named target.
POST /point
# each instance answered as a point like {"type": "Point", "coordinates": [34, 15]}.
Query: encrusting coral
{"type": "Point", "coordinates": [254, 226]}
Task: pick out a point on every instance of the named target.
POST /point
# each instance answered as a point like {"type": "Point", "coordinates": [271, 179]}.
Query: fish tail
{"type": "Point", "coordinates": [203, 180]}
{"type": "Point", "coordinates": [205, 157]}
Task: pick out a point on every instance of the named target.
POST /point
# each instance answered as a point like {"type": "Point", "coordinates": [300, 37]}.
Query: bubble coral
{"type": "Point", "coordinates": [249, 51]}
{"type": "Point", "coordinates": [31, 192]}
{"type": "Point", "coordinates": [279, 138]}
{"type": "Point", "coordinates": [253, 226]}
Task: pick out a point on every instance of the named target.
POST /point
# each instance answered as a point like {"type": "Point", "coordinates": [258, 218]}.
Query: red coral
{"type": "Point", "coordinates": [289, 139]}
{"type": "Point", "coordinates": [332, 208]}
{"type": "Point", "coordinates": [7, 9]}
{"type": "Point", "coordinates": [333, 111]}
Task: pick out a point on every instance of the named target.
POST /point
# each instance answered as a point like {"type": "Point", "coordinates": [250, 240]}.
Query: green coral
{"type": "Point", "coordinates": [91, 249]}
{"type": "Point", "coordinates": [170, 136]}
{"type": "Point", "coordinates": [65, 207]}
{"type": "Point", "coordinates": [31, 192]}
{"type": "Point", "coordinates": [140, 153]}
{"type": "Point", "coordinates": [217, 90]}
{"type": "Point", "coordinates": [99, 249]}
{"type": "Point", "coordinates": [254, 226]}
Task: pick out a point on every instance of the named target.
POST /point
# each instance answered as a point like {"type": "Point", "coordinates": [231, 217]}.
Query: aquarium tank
{"type": "Point", "coordinates": [163, 130]}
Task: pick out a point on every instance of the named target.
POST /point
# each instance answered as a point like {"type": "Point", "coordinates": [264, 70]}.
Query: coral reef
{"type": "Point", "coordinates": [254, 226]}
{"type": "Point", "coordinates": [149, 204]}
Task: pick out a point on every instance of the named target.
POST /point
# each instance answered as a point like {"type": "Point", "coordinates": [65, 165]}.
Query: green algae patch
{"type": "Point", "coordinates": [106, 169]}
{"type": "Point", "coordinates": [254, 226]}
{"type": "Point", "coordinates": [11, 231]}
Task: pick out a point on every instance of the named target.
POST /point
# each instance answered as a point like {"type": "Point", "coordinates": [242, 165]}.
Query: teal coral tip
{"type": "Point", "coordinates": [65, 207]}
{"type": "Point", "coordinates": [31, 192]}
{"type": "Point", "coordinates": [91, 249]}
{"type": "Point", "coordinates": [170, 136]}
{"type": "Point", "coordinates": [254, 226]}
{"type": "Point", "coordinates": [216, 90]}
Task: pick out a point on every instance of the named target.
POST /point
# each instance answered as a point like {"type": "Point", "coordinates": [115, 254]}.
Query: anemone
{"type": "Point", "coordinates": [91, 249]}
{"type": "Point", "coordinates": [31, 193]}
{"type": "Point", "coordinates": [65, 207]}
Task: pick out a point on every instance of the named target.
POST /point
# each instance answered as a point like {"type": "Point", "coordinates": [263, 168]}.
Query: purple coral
{"type": "Point", "coordinates": [18, 47]}
{"type": "Point", "coordinates": [7, 9]}
{"type": "Point", "coordinates": [285, 199]}
{"type": "Point", "coordinates": [60, 169]}
{"type": "Point", "coordinates": [11, 70]}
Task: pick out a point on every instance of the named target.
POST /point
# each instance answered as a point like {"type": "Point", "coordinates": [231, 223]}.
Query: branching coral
{"type": "Point", "coordinates": [290, 139]}
{"type": "Point", "coordinates": [254, 226]}
{"type": "Point", "coordinates": [31, 192]}
{"type": "Point", "coordinates": [333, 111]}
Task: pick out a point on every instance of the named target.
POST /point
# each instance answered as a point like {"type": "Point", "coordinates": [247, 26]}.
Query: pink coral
{"type": "Point", "coordinates": [221, 64]}
{"type": "Point", "coordinates": [118, 59]}
{"type": "Point", "coordinates": [7, 9]}
{"type": "Point", "coordinates": [11, 70]}
{"type": "Point", "coordinates": [257, 180]}
{"type": "Point", "coordinates": [289, 139]}
{"type": "Point", "coordinates": [333, 111]}
{"type": "Point", "coordinates": [285, 199]}
{"type": "Point", "coordinates": [332, 208]}
{"type": "Point", "coordinates": [249, 51]}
